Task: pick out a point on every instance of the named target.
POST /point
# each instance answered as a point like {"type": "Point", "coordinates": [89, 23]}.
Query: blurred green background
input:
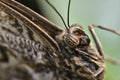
{"type": "Point", "coordinates": [86, 12]}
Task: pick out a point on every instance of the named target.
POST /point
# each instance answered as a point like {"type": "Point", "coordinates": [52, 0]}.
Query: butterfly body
{"type": "Point", "coordinates": [82, 56]}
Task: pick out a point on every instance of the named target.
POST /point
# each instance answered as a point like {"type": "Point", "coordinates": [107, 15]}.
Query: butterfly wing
{"type": "Point", "coordinates": [35, 17]}
{"type": "Point", "coordinates": [24, 38]}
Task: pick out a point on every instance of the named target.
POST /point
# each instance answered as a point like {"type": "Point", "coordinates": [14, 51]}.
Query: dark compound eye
{"type": "Point", "coordinates": [73, 40]}
{"type": "Point", "coordinates": [84, 40]}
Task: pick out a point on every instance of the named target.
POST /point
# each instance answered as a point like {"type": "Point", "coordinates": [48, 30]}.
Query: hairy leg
{"type": "Point", "coordinates": [98, 44]}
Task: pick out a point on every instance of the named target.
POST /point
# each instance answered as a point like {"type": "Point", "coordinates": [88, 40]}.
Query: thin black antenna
{"type": "Point", "coordinates": [58, 14]}
{"type": "Point", "coordinates": [68, 14]}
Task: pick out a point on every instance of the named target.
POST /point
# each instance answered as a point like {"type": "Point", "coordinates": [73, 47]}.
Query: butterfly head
{"type": "Point", "coordinates": [76, 36]}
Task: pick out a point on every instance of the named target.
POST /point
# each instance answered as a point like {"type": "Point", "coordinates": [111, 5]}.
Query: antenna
{"type": "Point", "coordinates": [68, 14]}
{"type": "Point", "coordinates": [58, 14]}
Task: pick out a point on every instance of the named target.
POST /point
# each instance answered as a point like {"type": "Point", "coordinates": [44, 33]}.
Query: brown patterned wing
{"type": "Point", "coordinates": [25, 39]}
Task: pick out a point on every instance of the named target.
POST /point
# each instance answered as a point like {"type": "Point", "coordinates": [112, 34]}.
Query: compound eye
{"type": "Point", "coordinates": [84, 40]}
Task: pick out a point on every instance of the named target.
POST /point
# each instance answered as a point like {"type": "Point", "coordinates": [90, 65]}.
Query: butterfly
{"type": "Point", "coordinates": [34, 48]}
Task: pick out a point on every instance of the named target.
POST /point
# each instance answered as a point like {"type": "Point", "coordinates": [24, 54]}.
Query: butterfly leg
{"type": "Point", "coordinates": [98, 44]}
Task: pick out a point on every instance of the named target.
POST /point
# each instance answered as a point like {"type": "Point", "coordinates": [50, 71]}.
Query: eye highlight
{"type": "Point", "coordinates": [78, 32]}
